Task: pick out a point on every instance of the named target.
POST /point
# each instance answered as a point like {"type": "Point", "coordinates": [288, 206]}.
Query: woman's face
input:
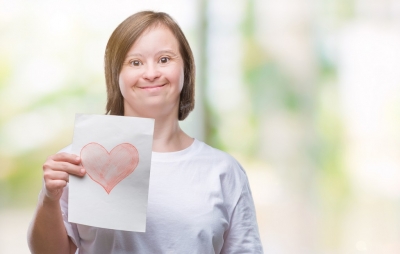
{"type": "Point", "coordinates": [151, 77]}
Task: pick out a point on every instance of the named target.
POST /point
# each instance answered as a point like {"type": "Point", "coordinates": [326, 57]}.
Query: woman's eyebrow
{"type": "Point", "coordinates": [166, 52]}
{"type": "Point", "coordinates": [134, 54]}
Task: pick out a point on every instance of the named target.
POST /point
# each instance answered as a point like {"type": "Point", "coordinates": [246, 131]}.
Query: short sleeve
{"type": "Point", "coordinates": [242, 235]}
{"type": "Point", "coordinates": [71, 228]}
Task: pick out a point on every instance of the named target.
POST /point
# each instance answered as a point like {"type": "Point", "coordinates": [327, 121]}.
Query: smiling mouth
{"type": "Point", "coordinates": [152, 87]}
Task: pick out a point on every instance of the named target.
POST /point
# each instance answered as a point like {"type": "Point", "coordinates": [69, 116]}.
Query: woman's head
{"type": "Point", "coordinates": [120, 42]}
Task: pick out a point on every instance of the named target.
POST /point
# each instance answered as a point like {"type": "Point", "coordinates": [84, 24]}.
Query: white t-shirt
{"type": "Point", "coordinates": [199, 202]}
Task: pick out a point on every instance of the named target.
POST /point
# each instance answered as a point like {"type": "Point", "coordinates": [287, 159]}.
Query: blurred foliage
{"type": "Point", "coordinates": [21, 174]}
{"type": "Point", "coordinates": [271, 88]}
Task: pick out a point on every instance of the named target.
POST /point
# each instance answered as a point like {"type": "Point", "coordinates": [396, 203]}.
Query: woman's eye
{"type": "Point", "coordinates": [135, 63]}
{"type": "Point", "coordinates": [164, 60]}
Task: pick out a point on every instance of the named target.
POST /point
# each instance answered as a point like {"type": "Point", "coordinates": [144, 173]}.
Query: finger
{"type": "Point", "coordinates": [52, 175]}
{"type": "Point", "coordinates": [54, 185]}
{"type": "Point", "coordinates": [67, 157]}
{"type": "Point", "coordinates": [64, 167]}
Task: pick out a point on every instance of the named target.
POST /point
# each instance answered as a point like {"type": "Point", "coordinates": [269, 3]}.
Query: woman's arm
{"type": "Point", "coordinates": [242, 235]}
{"type": "Point", "coordinates": [47, 233]}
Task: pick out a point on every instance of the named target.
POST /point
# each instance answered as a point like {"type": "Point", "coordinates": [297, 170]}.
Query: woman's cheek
{"type": "Point", "coordinates": [122, 87]}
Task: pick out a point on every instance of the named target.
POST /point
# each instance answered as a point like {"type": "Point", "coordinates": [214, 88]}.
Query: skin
{"type": "Point", "coordinates": [151, 80]}
{"type": "Point", "coordinates": [47, 233]}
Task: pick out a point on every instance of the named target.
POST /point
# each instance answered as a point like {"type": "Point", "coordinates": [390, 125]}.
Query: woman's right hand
{"type": "Point", "coordinates": [56, 171]}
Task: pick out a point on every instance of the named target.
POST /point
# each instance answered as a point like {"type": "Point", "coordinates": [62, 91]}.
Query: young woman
{"type": "Point", "coordinates": [199, 197]}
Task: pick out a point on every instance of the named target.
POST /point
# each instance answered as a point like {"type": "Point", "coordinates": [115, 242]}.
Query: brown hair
{"type": "Point", "coordinates": [121, 40]}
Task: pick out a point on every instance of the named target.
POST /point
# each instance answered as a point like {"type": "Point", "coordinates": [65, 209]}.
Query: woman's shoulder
{"type": "Point", "coordinates": [216, 156]}
{"type": "Point", "coordinates": [208, 150]}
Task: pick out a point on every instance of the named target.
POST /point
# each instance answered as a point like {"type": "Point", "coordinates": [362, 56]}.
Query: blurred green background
{"type": "Point", "coordinates": [305, 94]}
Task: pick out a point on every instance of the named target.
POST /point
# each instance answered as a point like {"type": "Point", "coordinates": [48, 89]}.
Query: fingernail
{"type": "Point", "coordinates": [77, 158]}
{"type": "Point", "coordinates": [82, 170]}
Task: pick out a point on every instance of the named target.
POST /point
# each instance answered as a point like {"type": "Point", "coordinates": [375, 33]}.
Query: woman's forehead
{"type": "Point", "coordinates": [156, 36]}
{"type": "Point", "coordinates": [157, 28]}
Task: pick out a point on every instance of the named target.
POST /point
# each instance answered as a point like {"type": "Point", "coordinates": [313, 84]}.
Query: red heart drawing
{"type": "Point", "coordinates": [108, 169]}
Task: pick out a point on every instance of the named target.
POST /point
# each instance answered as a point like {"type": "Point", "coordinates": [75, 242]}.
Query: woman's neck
{"type": "Point", "coordinates": [169, 137]}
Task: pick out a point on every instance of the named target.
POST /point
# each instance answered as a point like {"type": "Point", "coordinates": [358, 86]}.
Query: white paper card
{"type": "Point", "coordinates": [116, 153]}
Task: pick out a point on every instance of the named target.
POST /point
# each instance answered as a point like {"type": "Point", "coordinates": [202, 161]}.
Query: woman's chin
{"type": "Point", "coordinates": [153, 111]}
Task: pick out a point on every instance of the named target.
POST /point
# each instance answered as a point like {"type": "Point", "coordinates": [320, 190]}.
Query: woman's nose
{"type": "Point", "coordinates": [151, 72]}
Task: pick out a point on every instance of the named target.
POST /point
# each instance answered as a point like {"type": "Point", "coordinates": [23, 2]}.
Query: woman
{"type": "Point", "coordinates": [199, 197]}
